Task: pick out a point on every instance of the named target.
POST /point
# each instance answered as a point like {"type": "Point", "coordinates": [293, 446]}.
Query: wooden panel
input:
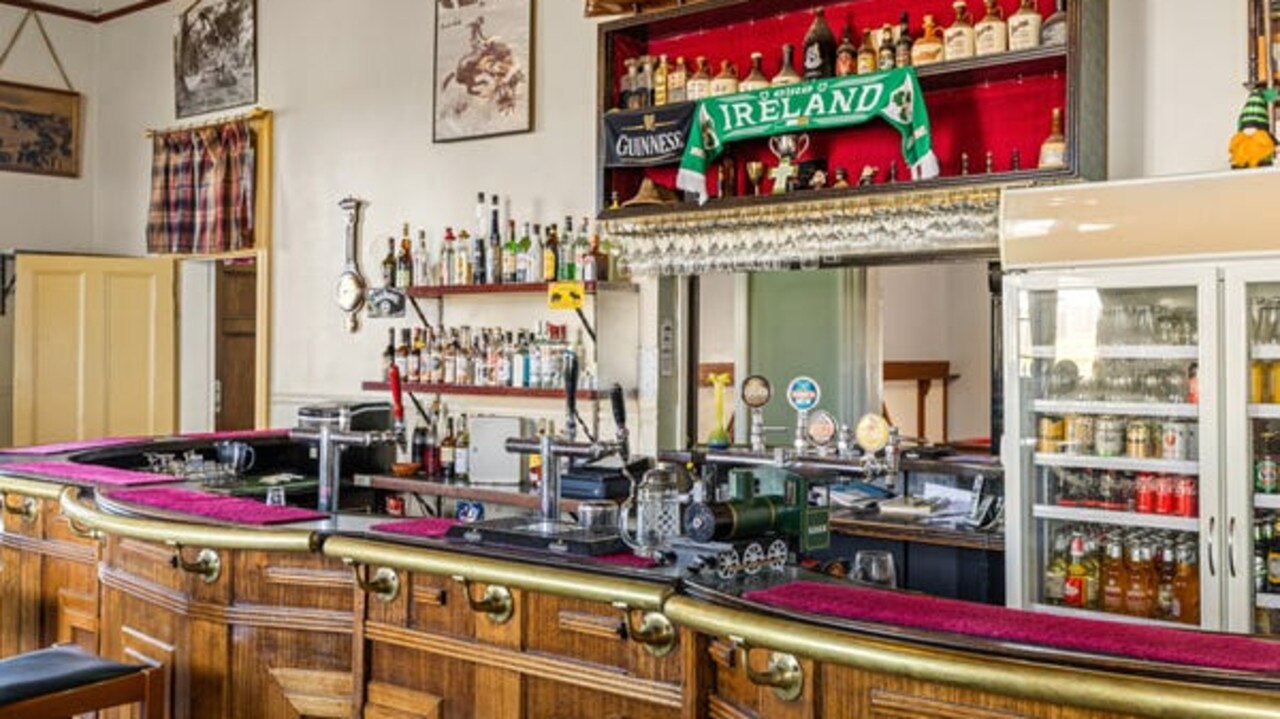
{"type": "Point", "coordinates": [50, 323]}
{"type": "Point", "coordinates": [501, 690]}
{"type": "Point", "coordinates": [236, 338]}
{"type": "Point", "coordinates": [546, 699]}
{"type": "Point", "coordinates": [387, 701]}
{"type": "Point", "coordinates": [138, 348]}
{"type": "Point", "coordinates": [450, 679]}
{"type": "Point", "coordinates": [298, 693]}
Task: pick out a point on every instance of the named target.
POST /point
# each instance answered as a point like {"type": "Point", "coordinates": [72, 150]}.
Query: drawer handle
{"type": "Point", "coordinates": [208, 565]}
{"type": "Point", "coordinates": [84, 532]}
{"type": "Point", "coordinates": [384, 585]}
{"type": "Point", "coordinates": [28, 509]}
{"type": "Point", "coordinates": [496, 602]}
{"type": "Point", "coordinates": [783, 673]}
{"type": "Point", "coordinates": [654, 631]}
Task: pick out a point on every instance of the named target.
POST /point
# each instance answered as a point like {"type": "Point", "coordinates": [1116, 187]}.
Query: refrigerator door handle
{"type": "Point", "coordinates": [1231, 547]}
{"type": "Point", "coordinates": [1213, 570]}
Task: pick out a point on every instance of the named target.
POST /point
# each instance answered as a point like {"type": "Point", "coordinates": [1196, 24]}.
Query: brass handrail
{"type": "Point", "coordinates": [28, 487]}
{"type": "Point", "coordinates": [514, 574]}
{"type": "Point", "coordinates": [182, 534]}
{"type": "Point", "coordinates": [1126, 694]}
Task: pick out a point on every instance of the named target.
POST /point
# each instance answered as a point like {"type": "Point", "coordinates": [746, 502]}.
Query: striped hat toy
{"type": "Point", "coordinates": [1255, 114]}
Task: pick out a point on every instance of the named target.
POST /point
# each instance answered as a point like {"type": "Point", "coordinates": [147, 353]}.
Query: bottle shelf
{"type": "Point", "coordinates": [467, 390]}
{"type": "Point", "coordinates": [1264, 411]}
{"type": "Point", "coordinates": [1124, 519]}
{"type": "Point", "coordinates": [1268, 601]}
{"type": "Point", "coordinates": [1108, 616]}
{"type": "Point", "coordinates": [1128, 409]}
{"type": "Point", "coordinates": [1009, 65]}
{"type": "Point", "coordinates": [524, 288]}
{"type": "Point", "coordinates": [1265, 352]}
{"type": "Point", "coordinates": [1118, 464]}
{"type": "Point", "coordinates": [1152, 352]}
{"type": "Point", "coordinates": [1266, 501]}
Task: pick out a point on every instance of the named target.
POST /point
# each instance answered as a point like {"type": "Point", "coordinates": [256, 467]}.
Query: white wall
{"type": "Point", "coordinates": [40, 212]}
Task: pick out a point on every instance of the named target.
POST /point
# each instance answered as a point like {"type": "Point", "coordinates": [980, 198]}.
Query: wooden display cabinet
{"type": "Point", "coordinates": [998, 103]}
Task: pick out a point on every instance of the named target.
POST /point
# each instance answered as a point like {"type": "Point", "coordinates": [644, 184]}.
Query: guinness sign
{"type": "Point", "coordinates": [649, 137]}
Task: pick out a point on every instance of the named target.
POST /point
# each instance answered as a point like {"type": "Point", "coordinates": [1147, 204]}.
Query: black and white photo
{"type": "Point", "coordinates": [215, 56]}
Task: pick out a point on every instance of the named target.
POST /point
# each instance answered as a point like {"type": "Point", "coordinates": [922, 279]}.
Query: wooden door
{"type": "Point", "coordinates": [236, 340]}
{"type": "Point", "coordinates": [94, 352]}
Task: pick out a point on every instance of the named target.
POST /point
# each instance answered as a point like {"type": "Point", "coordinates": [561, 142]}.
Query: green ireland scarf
{"type": "Point", "coordinates": [893, 95]}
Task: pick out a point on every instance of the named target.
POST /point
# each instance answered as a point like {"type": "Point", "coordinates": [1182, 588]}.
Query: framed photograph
{"type": "Point", "coordinates": [215, 51]}
{"type": "Point", "coordinates": [39, 130]}
{"type": "Point", "coordinates": [483, 80]}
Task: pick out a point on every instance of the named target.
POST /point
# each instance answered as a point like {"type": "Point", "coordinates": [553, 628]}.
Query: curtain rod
{"type": "Point", "coordinates": [256, 113]}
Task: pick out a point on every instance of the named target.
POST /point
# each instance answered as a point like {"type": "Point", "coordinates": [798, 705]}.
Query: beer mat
{"type": "Point", "coordinates": [625, 559]}
{"type": "Point", "coordinates": [1158, 644]}
{"type": "Point", "coordinates": [87, 473]}
{"type": "Point", "coordinates": [238, 434]}
{"type": "Point", "coordinates": [215, 506]}
{"type": "Point", "coordinates": [426, 527]}
{"type": "Point", "coordinates": [64, 447]}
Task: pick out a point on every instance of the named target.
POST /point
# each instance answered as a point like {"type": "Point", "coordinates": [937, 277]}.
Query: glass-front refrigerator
{"type": "Point", "coordinates": [1251, 312]}
{"type": "Point", "coordinates": [1111, 384]}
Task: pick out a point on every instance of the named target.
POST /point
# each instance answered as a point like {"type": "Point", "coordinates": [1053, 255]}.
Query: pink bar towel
{"type": "Point", "coordinates": [427, 527]}
{"type": "Point", "coordinates": [63, 447]}
{"type": "Point", "coordinates": [87, 473]}
{"type": "Point", "coordinates": [216, 506]}
{"type": "Point", "coordinates": [1172, 646]}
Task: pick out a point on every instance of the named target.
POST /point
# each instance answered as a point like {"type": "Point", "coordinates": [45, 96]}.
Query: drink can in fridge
{"type": "Point", "coordinates": [1052, 432]}
{"type": "Point", "coordinates": [1164, 495]}
{"type": "Point", "coordinates": [1138, 439]}
{"type": "Point", "coordinates": [1186, 497]}
{"type": "Point", "coordinates": [1080, 433]}
{"type": "Point", "coordinates": [1109, 437]}
{"type": "Point", "coordinates": [1145, 494]}
{"type": "Point", "coordinates": [1173, 440]}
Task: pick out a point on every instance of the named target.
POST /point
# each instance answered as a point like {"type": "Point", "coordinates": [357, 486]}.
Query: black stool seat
{"type": "Point", "coordinates": [55, 669]}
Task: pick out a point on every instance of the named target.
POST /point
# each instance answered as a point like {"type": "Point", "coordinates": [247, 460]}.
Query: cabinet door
{"type": "Point", "coordinates": [94, 348]}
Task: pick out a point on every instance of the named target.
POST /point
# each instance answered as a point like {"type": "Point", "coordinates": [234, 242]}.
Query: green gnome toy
{"type": "Point", "coordinates": [1253, 145]}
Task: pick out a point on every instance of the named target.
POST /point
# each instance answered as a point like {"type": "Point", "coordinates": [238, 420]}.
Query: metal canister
{"type": "Point", "coordinates": [1052, 432]}
{"type": "Point", "coordinates": [1145, 494]}
{"type": "Point", "coordinates": [1186, 496]}
{"type": "Point", "coordinates": [1193, 441]}
{"type": "Point", "coordinates": [1173, 440]}
{"type": "Point", "coordinates": [600, 514]}
{"type": "Point", "coordinates": [1137, 437]}
{"type": "Point", "coordinates": [1079, 433]}
{"type": "Point", "coordinates": [1166, 501]}
{"type": "Point", "coordinates": [1109, 437]}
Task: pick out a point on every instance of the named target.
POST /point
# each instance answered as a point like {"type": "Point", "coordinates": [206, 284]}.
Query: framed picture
{"type": "Point", "coordinates": [483, 80]}
{"type": "Point", "coordinates": [215, 49]}
{"type": "Point", "coordinates": [39, 130]}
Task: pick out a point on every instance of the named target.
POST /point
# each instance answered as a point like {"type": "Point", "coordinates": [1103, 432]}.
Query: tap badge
{"type": "Point", "coordinates": [803, 394]}
{"type": "Point", "coordinates": [756, 391]}
{"type": "Point", "coordinates": [821, 428]}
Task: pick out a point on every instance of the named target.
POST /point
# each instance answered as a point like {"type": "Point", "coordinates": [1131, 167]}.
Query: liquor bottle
{"type": "Point", "coordinates": [551, 256]}
{"type": "Point", "coordinates": [431, 450]}
{"type": "Point", "coordinates": [432, 362]}
{"type": "Point", "coordinates": [506, 357]}
{"type": "Point", "coordinates": [415, 358]}
{"type": "Point", "coordinates": [449, 359]}
{"type": "Point", "coordinates": [389, 355]}
{"type": "Point", "coordinates": [847, 53]}
{"type": "Point", "coordinates": [462, 452]}
{"type": "Point", "coordinates": [535, 255]}
{"type": "Point", "coordinates": [389, 264]}
{"type": "Point", "coordinates": [755, 80]}
{"type": "Point", "coordinates": [1164, 580]}
{"type": "Point", "coordinates": [1114, 577]}
{"type": "Point", "coordinates": [402, 353]}
{"type": "Point", "coordinates": [644, 87]}
{"type": "Point", "coordinates": [479, 262]}
{"type": "Point", "coordinates": [520, 362]}
{"type": "Point", "coordinates": [422, 262]}
{"type": "Point", "coordinates": [725, 83]}
{"type": "Point", "coordinates": [1055, 576]}
{"type": "Point", "coordinates": [902, 54]}
{"type": "Point", "coordinates": [661, 75]}
{"type": "Point", "coordinates": [929, 48]}
{"type": "Point", "coordinates": [1054, 32]}
{"type": "Point", "coordinates": [493, 252]}
{"type": "Point", "coordinates": [699, 84]}
{"type": "Point", "coordinates": [418, 447]}
{"type": "Point", "coordinates": [1053, 153]}
{"type": "Point", "coordinates": [582, 247]}
{"type": "Point", "coordinates": [447, 466]}
{"type": "Point", "coordinates": [819, 49]}
{"type": "Point", "coordinates": [522, 255]}
{"type": "Point", "coordinates": [886, 53]}
{"type": "Point", "coordinates": [1025, 27]}
{"type": "Point", "coordinates": [958, 40]}
{"type": "Point", "coordinates": [627, 86]}
{"type": "Point", "coordinates": [448, 265]}
{"type": "Point", "coordinates": [567, 268]}
{"type": "Point", "coordinates": [677, 82]}
{"type": "Point", "coordinates": [595, 264]}
{"type": "Point", "coordinates": [404, 261]}
{"type": "Point", "coordinates": [464, 271]}
{"type": "Point", "coordinates": [867, 58]}
{"type": "Point", "coordinates": [992, 32]}
{"type": "Point", "coordinates": [1186, 587]}
{"type": "Point", "coordinates": [1273, 559]}
{"type": "Point", "coordinates": [1075, 592]}
{"type": "Point", "coordinates": [787, 74]}
{"type": "Point", "coordinates": [1139, 594]}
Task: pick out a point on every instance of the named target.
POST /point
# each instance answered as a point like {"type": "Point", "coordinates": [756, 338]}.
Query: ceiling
{"type": "Point", "coordinates": [90, 7]}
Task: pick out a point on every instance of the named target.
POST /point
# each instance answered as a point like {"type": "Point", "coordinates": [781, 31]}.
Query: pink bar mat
{"type": "Point", "coordinates": [625, 559]}
{"type": "Point", "coordinates": [426, 527]}
{"type": "Point", "coordinates": [1172, 646]}
{"type": "Point", "coordinates": [63, 447]}
{"type": "Point", "coordinates": [238, 434]}
{"type": "Point", "coordinates": [216, 506]}
{"type": "Point", "coordinates": [88, 473]}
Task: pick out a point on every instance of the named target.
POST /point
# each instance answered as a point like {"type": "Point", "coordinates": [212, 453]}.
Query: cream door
{"type": "Point", "coordinates": [94, 352]}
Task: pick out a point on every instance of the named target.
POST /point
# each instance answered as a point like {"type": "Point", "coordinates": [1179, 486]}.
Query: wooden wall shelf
{"type": "Point", "coordinates": [529, 288]}
{"type": "Point", "coordinates": [470, 391]}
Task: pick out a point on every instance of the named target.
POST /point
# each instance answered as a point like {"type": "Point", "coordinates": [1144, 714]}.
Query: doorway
{"type": "Point", "coordinates": [218, 345]}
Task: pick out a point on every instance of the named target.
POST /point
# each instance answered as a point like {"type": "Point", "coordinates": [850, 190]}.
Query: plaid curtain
{"type": "Point", "coordinates": [203, 190]}
{"type": "Point", "coordinates": [157, 227]}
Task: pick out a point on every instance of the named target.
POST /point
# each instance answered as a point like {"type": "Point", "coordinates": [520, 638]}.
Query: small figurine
{"type": "Point", "coordinates": [614, 202]}
{"type": "Point", "coordinates": [893, 171]}
{"type": "Point", "coordinates": [868, 176]}
{"type": "Point", "coordinates": [1253, 145]}
{"type": "Point", "coordinates": [1016, 161]}
{"type": "Point", "coordinates": [990, 162]}
{"type": "Point", "coordinates": [819, 180]}
{"type": "Point", "coordinates": [842, 178]}
{"type": "Point", "coordinates": [964, 163]}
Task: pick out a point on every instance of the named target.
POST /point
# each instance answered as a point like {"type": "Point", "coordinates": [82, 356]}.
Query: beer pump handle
{"type": "Point", "coordinates": [619, 402]}
{"type": "Point", "coordinates": [571, 394]}
{"type": "Point", "coordinates": [397, 402]}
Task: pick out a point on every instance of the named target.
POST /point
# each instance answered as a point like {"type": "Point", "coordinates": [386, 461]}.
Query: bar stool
{"type": "Point", "coordinates": [65, 680]}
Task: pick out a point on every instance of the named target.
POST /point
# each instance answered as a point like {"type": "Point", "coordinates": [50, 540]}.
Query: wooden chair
{"type": "Point", "coordinates": [65, 680]}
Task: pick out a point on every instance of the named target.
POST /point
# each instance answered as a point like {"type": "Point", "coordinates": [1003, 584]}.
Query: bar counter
{"type": "Point", "coordinates": [332, 618]}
